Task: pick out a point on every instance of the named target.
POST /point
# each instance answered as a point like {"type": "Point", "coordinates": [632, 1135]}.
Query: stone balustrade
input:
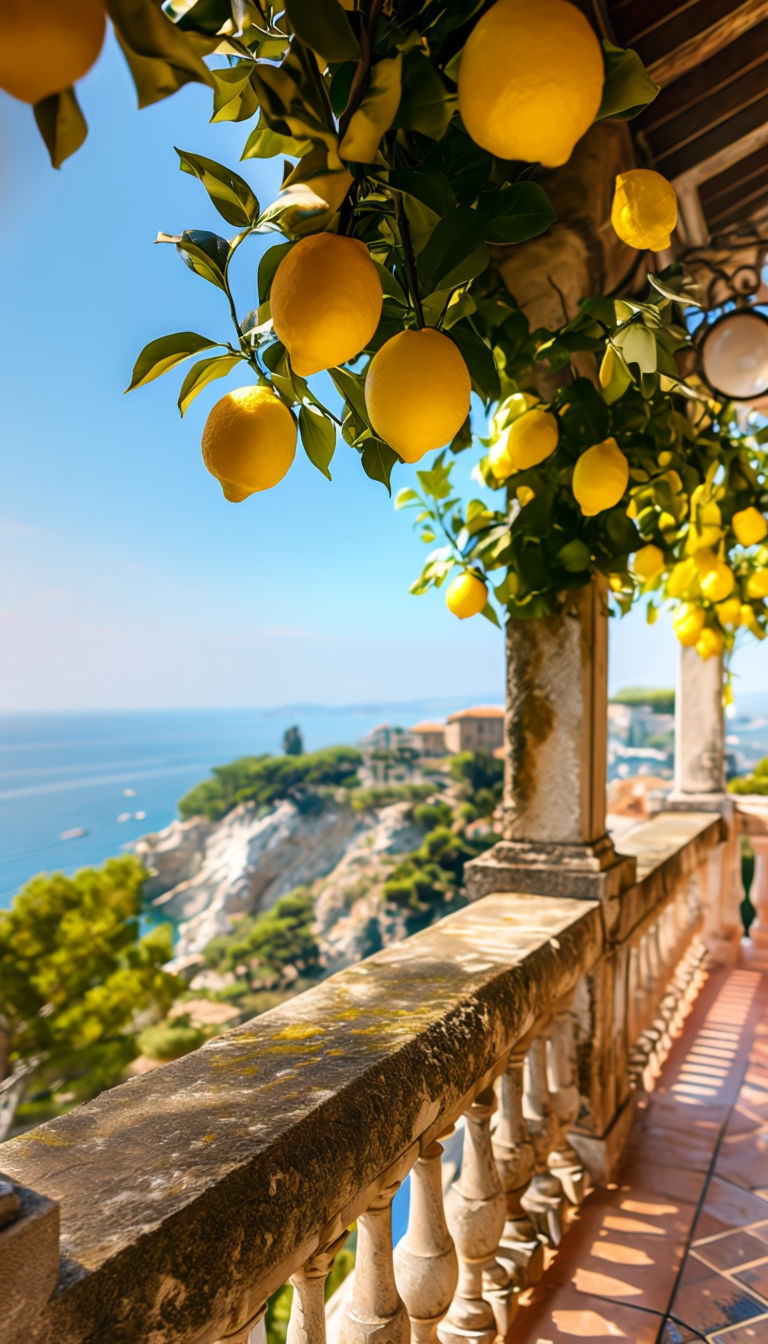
{"type": "Point", "coordinates": [186, 1197]}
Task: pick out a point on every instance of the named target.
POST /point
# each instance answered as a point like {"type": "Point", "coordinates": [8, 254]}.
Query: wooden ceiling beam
{"type": "Point", "coordinates": [702, 46]}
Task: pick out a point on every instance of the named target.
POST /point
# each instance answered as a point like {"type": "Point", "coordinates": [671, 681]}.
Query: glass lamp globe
{"type": "Point", "coordinates": [734, 355]}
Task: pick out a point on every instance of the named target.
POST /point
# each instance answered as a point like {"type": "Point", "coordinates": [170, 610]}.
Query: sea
{"type": "Point", "coordinates": [115, 776]}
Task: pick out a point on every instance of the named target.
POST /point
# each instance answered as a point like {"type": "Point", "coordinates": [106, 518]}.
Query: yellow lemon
{"type": "Point", "coordinates": [664, 458]}
{"type": "Point", "coordinates": [511, 408]}
{"type": "Point", "coordinates": [757, 583]}
{"type": "Point", "coordinates": [648, 562]}
{"type": "Point", "coordinates": [249, 441]}
{"type": "Point", "coordinates": [688, 623]}
{"type": "Point", "coordinates": [749, 526]}
{"type": "Point", "coordinates": [706, 526]}
{"type": "Point", "coordinates": [644, 210]}
{"type": "Point", "coordinates": [683, 578]}
{"type": "Point", "coordinates": [48, 45]}
{"type": "Point", "coordinates": [530, 80]}
{"type": "Point", "coordinates": [531, 438]}
{"type": "Point", "coordinates": [667, 522]}
{"type": "Point", "coordinates": [600, 477]}
{"type": "Point", "coordinates": [750, 622]}
{"type": "Point", "coordinates": [524, 495]}
{"type": "Point", "coordinates": [632, 508]}
{"type": "Point", "coordinates": [466, 596]}
{"type": "Point", "coordinates": [717, 583]}
{"type": "Point", "coordinates": [709, 643]}
{"type": "Point", "coordinates": [417, 392]}
{"type": "Point", "coordinates": [326, 301]}
{"type": "Point", "coordinates": [613, 376]}
{"type": "Point", "coordinates": [498, 459]}
{"type": "Point", "coordinates": [615, 583]}
{"type": "Point", "coordinates": [729, 612]}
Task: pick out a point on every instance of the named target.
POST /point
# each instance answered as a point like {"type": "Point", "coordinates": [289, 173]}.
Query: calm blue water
{"type": "Point", "coordinates": [61, 771]}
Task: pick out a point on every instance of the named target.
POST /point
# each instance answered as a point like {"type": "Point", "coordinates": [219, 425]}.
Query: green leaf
{"type": "Point", "coordinates": [490, 615]}
{"type": "Point", "coordinates": [378, 459]}
{"type": "Point", "coordinates": [165, 353]}
{"type": "Point", "coordinates": [160, 55]}
{"type": "Point", "coordinates": [202, 373]}
{"type": "Point", "coordinates": [352, 388]}
{"type": "Point", "coordinates": [637, 346]}
{"type": "Point", "coordinates": [373, 118]}
{"type": "Point", "coordinates": [234, 98]}
{"type": "Point", "coordinates": [229, 192]}
{"type": "Point", "coordinates": [323, 25]}
{"type": "Point", "coordinates": [318, 434]}
{"type": "Point", "coordinates": [61, 124]}
{"type": "Point", "coordinates": [268, 266]}
{"type": "Point", "coordinates": [405, 497]}
{"type": "Point", "coordinates": [518, 212]}
{"type": "Point", "coordinates": [451, 254]}
{"type": "Point", "coordinates": [479, 360]}
{"type": "Point", "coordinates": [264, 143]}
{"type": "Point", "coordinates": [426, 105]}
{"type": "Point", "coordinates": [628, 88]}
{"type": "Point", "coordinates": [207, 254]}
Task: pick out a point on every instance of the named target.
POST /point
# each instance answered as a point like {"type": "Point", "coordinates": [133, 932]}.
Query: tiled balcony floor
{"type": "Point", "coordinates": [678, 1249]}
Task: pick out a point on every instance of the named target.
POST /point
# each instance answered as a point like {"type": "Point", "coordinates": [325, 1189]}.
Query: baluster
{"type": "Point", "coordinates": [520, 1250]}
{"type": "Point", "coordinates": [561, 1059]}
{"type": "Point", "coordinates": [306, 1324]}
{"type": "Point", "coordinates": [426, 1265]}
{"type": "Point", "coordinates": [758, 931]}
{"type": "Point", "coordinates": [475, 1209]}
{"type": "Point", "coordinates": [375, 1313]}
{"type": "Point", "coordinates": [543, 1200]}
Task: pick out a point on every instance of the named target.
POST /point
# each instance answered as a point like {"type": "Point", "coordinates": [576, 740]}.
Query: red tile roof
{"type": "Point", "coordinates": [478, 712]}
{"type": "Point", "coordinates": [428, 728]}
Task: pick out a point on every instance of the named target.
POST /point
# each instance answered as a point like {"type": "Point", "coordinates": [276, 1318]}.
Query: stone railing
{"type": "Point", "coordinates": [188, 1196]}
{"type": "Point", "coordinates": [752, 821]}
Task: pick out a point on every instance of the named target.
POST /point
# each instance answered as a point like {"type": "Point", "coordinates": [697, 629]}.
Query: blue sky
{"type": "Point", "coordinates": [126, 580]}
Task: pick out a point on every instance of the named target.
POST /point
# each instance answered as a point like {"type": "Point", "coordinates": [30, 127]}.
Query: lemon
{"type": "Point", "coordinates": [717, 583]}
{"type": "Point", "coordinates": [600, 477]}
{"type": "Point", "coordinates": [417, 392]}
{"type": "Point", "coordinates": [499, 460]}
{"type": "Point", "coordinates": [326, 301]}
{"type": "Point", "coordinates": [466, 596]}
{"type": "Point", "coordinates": [530, 80]}
{"type": "Point", "coordinates": [510, 409]}
{"type": "Point", "coordinates": [750, 622]}
{"type": "Point", "coordinates": [48, 45]}
{"type": "Point", "coordinates": [249, 441]}
{"type": "Point", "coordinates": [706, 526]}
{"type": "Point", "coordinates": [613, 376]}
{"type": "Point", "coordinates": [615, 583]}
{"type": "Point", "coordinates": [749, 526]}
{"type": "Point", "coordinates": [648, 562]}
{"type": "Point", "coordinates": [688, 623]}
{"type": "Point", "coordinates": [757, 583]}
{"type": "Point", "coordinates": [729, 612]}
{"type": "Point", "coordinates": [667, 522]}
{"type": "Point", "coordinates": [531, 438]}
{"type": "Point", "coordinates": [710, 643]}
{"type": "Point", "coordinates": [524, 495]}
{"type": "Point", "coordinates": [644, 210]}
{"type": "Point", "coordinates": [683, 578]}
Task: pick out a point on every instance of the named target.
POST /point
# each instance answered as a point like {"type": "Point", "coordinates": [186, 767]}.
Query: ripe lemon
{"type": "Point", "coordinates": [757, 583]}
{"type": "Point", "coordinates": [709, 643]}
{"type": "Point", "coordinates": [648, 562]}
{"type": "Point", "coordinates": [644, 210]}
{"type": "Point", "coordinates": [729, 612]}
{"type": "Point", "coordinates": [524, 495]}
{"type": "Point", "coordinates": [499, 459]}
{"type": "Point", "coordinates": [688, 623]}
{"type": "Point", "coordinates": [417, 392]}
{"type": "Point", "coordinates": [600, 477]}
{"type": "Point", "coordinates": [466, 596]}
{"type": "Point", "coordinates": [48, 45]}
{"type": "Point", "coordinates": [706, 527]}
{"type": "Point", "coordinates": [749, 526]}
{"type": "Point", "coordinates": [326, 301]}
{"type": "Point", "coordinates": [683, 579]}
{"type": "Point", "coordinates": [530, 80]}
{"type": "Point", "coordinates": [750, 622]}
{"type": "Point", "coordinates": [249, 441]}
{"type": "Point", "coordinates": [717, 582]}
{"type": "Point", "coordinates": [613, 376]}
{"type": "Point", "coordinates": [510, 409]}
{"type": "Point", "coordinates": [531, 438]}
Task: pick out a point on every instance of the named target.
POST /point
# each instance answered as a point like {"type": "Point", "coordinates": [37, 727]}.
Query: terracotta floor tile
{"type": "Point", "coordinates": [676, 1183]}
{"type": "Point", "coordinates": [731, 1251]}
{"type": "Point", "coordinates": [694, 1269]}
{"type": "Point", "coordinates": [756, 1332]}
{"type": "Point", "coordinates": [756, 1279]}
{"type": "Point", "coordinates": [686, 1151]}
{"type": "Point", "coordinates": [740, 1122]}
{"type": "Point", "coordinates": [744, 1162]}
{"type": "Point", "coordinates": [676, 1334]}
{"type": "Point", "coordinates": [569, 1316]}
{"type": "Point", "coordinates": [731, 1205]}
{"type": "Point", "coordinates": [711, 1304]}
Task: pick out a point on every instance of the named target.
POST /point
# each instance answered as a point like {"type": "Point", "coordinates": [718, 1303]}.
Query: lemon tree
{"type": "Point", "coordinates": [412, 137]}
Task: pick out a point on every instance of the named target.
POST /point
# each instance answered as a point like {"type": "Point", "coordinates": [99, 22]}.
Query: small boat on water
{"type": "Point", "coordinates": [129, 793]}
{"type": "Point", "coordinates": [73, 834]}
{"type": "Point", "coordinates": [139, 816]}
{"type": "Point", "coordinates": [123, 816]}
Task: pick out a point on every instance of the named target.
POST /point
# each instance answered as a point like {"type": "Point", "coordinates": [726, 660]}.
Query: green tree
{"type": "Point", "coordinates": [263, 946]}
{"type": "Point", "coordinates": [480, 777]}
{"type": "Point", "coordinates": [293, 742]}
{"type": "Point", "coordinates": [74, 976]}
{"type": "Point", "coordinates": [266, 780]}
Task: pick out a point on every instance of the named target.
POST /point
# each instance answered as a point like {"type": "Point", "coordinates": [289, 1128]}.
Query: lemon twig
{"type": "Point", "coordinates": [410, 260]}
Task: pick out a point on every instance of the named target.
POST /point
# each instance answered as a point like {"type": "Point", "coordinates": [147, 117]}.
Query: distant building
{"type": "Point", "coordinates": [429, 738]}
{"type": "Point", "coordinates": [478, 729]}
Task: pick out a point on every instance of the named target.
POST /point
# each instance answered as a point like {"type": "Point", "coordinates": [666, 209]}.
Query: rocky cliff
{"type": "Point", "coordinates": [203, 873]}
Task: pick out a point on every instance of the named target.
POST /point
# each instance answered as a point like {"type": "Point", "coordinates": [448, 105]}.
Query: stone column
{"type": "Point", "coordinates": [699, 732]}
{"type": "Point", "coordinates": [29, 1259]}
{"type": "Point", "coordinates": [759, 895]}
{"type": "Point", "coordinates": [555, 841]}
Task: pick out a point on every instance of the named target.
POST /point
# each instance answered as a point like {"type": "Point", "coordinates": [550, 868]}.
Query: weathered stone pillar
{"type": "Point", "coordinates": [555, 763]}
{"type": "Point", "coordinates": [29, 1259]}
{"type": "Point", "coordinates": [700, 786]}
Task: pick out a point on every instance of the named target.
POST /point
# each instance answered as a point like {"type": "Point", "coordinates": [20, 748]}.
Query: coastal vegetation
{"type": "Point", "coordinates": [267, 780]}
{"type": "Point", "coordinates": [755, 782]}
{"type": "Point", "coordinates": [660, 699]}
{"type": "Point", "coordinates": [76, 982]}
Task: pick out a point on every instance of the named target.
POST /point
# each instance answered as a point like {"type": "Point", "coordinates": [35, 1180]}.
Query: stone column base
{"type": "Point", "coordinates": [584, 872]}
{"type": "Point", "coordinates": [602, 1155]}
